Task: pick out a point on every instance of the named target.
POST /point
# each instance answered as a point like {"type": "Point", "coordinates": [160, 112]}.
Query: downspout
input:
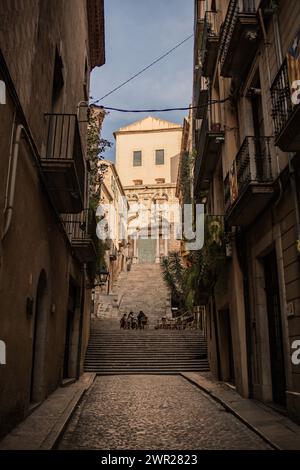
{"type": "Point", "coordinates": [80, 330]}
{"type": "Point", "coordinates": [9, 162]}
{"type": "Point", "coordinates": [242, 255]}
{"type": "Point", "coordinates": [8, 212]}
{"type": "Point", "coordinates": [216, 332]}
{"type": "Point", "coordinates": [290, 155]}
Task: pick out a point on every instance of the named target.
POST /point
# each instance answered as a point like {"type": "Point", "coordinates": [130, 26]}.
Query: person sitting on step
{"type": "Point", "coordinates": [130, 320]}
{"type": "Point", "coordinates": [134, 322]}
{"type": "Point", "coordinates": [123, 322]}
{"type": "Point", "coordinates": [142, 320]}
{"type": "Point", "coordinates": [145, 321]}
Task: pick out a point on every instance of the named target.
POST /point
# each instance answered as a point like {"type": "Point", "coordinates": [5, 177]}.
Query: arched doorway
{"type": "Point", "coordinates": [39, 341]}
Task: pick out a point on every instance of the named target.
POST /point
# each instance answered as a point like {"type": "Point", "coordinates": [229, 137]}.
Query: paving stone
{"type": "Point", "coordinates": [271, 425]}
{"type": "Point", "coordinates": [154, 412]}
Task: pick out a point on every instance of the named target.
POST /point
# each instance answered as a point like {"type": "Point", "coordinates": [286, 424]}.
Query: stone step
{"type": "Point", "coordinates": [143, 288]}
{"type": "Point", "coordinates": [130, 336]}
{"type": "Point", "coordinates": [145, 365]}
{"type": "Point", "coordinates": [144, 371]}
{"type": "Point", "coordinates": [152, 340]}
{"type": "Point", "coordinates": [157, 347]}
{"type": "Point", "coordinates": [137, 352]}
{"type": "Point", "coordinates": [159, 367]}
{"type": "Point", "coordinates": [151, 354]}
{"type": "Point", "coordinates": [145, 353]}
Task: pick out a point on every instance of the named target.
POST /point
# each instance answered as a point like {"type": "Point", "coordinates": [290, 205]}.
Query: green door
{"type": "Point", "coordinates": [146, 251]}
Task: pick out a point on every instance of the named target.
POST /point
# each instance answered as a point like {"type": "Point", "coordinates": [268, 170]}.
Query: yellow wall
{"type": "Point", "coordinates": [148, 135]}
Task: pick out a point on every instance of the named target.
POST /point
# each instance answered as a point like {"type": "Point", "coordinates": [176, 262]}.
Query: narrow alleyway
{"type": "Point", "coordinates": [154, 412]}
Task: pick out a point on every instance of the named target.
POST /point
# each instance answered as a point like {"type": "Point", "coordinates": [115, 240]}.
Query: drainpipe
{"type": "Point", "coordinates": [9, 162]}
{"type": "Point", "coordinates": [242, 254]}
{"type": "Point", "coordinates": [80, 332]}
{"type": "Point", "coordinates": [266, 47]}
{"type": "Point", "coordinates": [290, 155]}
{"type": "Point", "coordinates": [12, 184]}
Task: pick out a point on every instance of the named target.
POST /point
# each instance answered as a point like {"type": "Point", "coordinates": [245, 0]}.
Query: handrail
{"type": "Point", "coordinates": [282, 106]}
{"type": "Point", "coordinates": [253, 163]}
{"type": "Point", "coordinates": [235, 8]}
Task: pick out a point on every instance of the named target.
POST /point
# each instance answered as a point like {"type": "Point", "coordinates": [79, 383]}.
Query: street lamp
{"type": "Point", "coordinates": [101, 277]}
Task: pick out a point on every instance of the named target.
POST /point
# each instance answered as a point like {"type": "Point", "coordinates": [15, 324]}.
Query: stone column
{"type": "Point", "coordinates": [157, 258]}
{"type": "Point", "coordinates": [135, 251]}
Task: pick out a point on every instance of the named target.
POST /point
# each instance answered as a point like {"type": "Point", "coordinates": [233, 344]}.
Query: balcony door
{"type": "Point", "coordinates": [259, 129]}
{"type": "Point", "coordinates": [226, 346]}
{"type": "Point", "coordinates": [275, 328]}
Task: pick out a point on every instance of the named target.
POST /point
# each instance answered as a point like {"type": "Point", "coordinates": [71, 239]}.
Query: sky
{"type": "Point", "coordinates": [137, 32]}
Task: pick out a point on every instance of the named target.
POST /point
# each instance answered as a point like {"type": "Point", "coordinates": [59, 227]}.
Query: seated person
{"type": "Point", "coordinates": [134, 322]}
{"type": "Point", "coordinates": [123, 322]}
{"type": "Point", "coordinates": [130, 320]}
{"type": "Point", "coordinates": [141, 318]}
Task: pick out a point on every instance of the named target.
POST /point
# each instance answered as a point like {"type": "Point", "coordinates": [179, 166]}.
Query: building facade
{"type": "Point", "coordinates": [184, 183]}
{"type": "Point", "coordinates": [47, 248]}
{"type": "Point", "coordinates": [112, 213]}
{"type": "Point", "coordinates": [147, 157]}
{"type": "Point", "coordinates": [246, 135]}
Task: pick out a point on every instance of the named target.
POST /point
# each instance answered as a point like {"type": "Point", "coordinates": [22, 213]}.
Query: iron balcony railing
{"type": "Point", "coordinates": [210, 30]}
{"type": "Point", "coordinates": [253, 164]}
{"type": "Point", "coordinates": [200, 142]}
{"type": "Point", "coordinates": [63, 143]}
{"type": "Point", "coordinates": [82, 226]}
{"type": "Point", "coordinates": [235, 8]}
{"type": "Point", "coordinates": [228, 200]}
{"type": "Point", "coordinates": [201, 94]}
{"type": "Point", "coordinates": [282, 106]}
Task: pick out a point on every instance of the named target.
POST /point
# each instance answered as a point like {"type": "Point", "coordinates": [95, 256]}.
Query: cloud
{"type": "Point", "coordinates": [136, 34]}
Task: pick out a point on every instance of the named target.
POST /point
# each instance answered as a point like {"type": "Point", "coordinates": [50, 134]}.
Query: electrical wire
{"type": "Point", "coordinates": [120, 110]}
{"type": "Point", "coordinates": [144, 69]}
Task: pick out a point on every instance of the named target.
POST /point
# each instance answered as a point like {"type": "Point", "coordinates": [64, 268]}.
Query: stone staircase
{"type": "Point", "coordinates": [114, 352]}
{"type": "Point", "coordinates": [143, 288]}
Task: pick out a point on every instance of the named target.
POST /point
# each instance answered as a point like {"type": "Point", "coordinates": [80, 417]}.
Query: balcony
{"type": "Point", "coordinates": [81, 230]}
{"type": "Point", "coordinates": [239, 38]}
{"type": "Point", "coordinates": [210, 44]}
{"type": "Point", "coordinates": [201, 95]}
{"type": "Point", "coordinates": [286, 115]}
{"type": "Point", "coordinates": [249, 186]}
{"type": "Point", "coordinates": [209, 147]}
{"type": "Point", "coordinates": [63, 163]}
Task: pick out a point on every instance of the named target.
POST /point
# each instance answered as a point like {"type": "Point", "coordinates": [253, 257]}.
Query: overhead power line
{"type": "Point", "coordinates": [143, 70]}
{"type": "Point", "coordinates": [208, 103]}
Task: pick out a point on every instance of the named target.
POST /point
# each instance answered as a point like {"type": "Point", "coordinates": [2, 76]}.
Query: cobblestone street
{"type": "Point", "coordinates": [154, 412]}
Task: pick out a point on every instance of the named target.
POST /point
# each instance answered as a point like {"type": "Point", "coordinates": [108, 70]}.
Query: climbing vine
{"type": "Point", "coordinates": [96, 147]}
{"type": "Point", "coordinates": [191, 283]}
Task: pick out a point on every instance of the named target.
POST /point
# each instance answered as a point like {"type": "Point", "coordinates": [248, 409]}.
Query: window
{"type": "Point", "coordinates": [137, 182]}
{"type": "Point", "coordinates": [159, 157]}
{"type": "Point", "coordinates": [160, 180]}
{"type": "Point", "coordinates": [137, 158]}
{"type": "Point", "coordinates": [58, 81]}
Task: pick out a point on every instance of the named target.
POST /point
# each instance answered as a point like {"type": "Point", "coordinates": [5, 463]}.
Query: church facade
{"type": "Point", "coordinates": [147, 157]}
